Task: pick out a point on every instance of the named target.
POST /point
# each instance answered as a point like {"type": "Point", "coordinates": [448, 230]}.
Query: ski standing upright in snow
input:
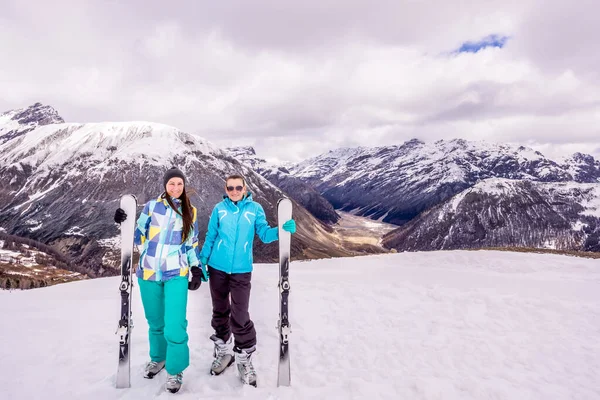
{"type": "Point", "coordinates": [284, 213]}
{"type": "Point", "coordinates": [129, 205]}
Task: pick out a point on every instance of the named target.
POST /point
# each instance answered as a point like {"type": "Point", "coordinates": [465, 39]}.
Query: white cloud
{"type": "Point", "coordinates": [301, 79]}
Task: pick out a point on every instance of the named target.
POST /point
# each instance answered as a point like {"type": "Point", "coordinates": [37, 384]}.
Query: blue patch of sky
{"type": "Point", "coordinates": [488, 41]}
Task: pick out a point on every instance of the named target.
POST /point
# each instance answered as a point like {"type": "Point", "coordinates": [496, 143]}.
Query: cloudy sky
{"type": "Point", "coordinates": [297, 78]}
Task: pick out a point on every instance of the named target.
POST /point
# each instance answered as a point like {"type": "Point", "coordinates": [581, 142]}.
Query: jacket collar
{"type": "Point", "coordinates": [246, 199]}
{"type": "Point", "coordinates": [163, 198]}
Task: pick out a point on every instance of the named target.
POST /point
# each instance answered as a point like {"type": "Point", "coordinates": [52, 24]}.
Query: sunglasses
{"type": "Point", "coordinates": [238, 188]}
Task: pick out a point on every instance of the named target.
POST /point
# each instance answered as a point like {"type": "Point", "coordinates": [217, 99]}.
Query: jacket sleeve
{"type": "Point", "coordinates": [191, 244]}
{"type": "Point", "coordinates": [143, 223]}
{"type": "Point", "coordinates": [262, 228]}
{"type": "Point", "coordinates": [211, 234]}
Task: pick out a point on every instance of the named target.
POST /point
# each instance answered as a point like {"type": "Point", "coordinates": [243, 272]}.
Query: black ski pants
{"type": "Point", "coordinates": [230, 295]}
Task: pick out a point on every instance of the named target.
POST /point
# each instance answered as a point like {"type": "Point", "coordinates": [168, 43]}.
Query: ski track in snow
{"type": "Point", "coordinates": [431, 325]}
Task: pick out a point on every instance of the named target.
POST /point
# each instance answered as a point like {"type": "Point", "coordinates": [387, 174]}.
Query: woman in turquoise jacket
{"type": "Point", "coordinates": [227, 253]}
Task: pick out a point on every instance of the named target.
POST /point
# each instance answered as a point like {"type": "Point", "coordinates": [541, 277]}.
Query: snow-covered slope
{"type": "Point", "coordinates": [452, 325]}
{"type": "Point", "coordinates": [583, 167]}
{"type": "Point", "coordinates": [501, 212]}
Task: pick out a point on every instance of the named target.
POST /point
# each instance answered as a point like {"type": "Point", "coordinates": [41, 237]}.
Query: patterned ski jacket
{"type": "Point", "coordinates": [158, 232]}
{"type": "Point", "coordinates": [231, 230]}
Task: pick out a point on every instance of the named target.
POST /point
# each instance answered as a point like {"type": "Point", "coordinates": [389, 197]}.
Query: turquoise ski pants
{"type": "Point", "coordinates": [165, 306]}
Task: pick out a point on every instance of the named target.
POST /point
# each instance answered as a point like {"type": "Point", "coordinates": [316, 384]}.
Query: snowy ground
{"type": "Point", "coordinates": [438, 325]}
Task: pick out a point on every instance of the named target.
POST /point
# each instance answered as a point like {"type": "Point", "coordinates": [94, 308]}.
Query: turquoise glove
{"type": "Point", "coordinates": [289, 226]}
{"type": "Point", "coordinates": [204, 267]}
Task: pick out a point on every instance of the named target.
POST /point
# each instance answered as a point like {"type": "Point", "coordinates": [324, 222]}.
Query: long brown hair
{"type": "Point", "coordinates": [186, 213]}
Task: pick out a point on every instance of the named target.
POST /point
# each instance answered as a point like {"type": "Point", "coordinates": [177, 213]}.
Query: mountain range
{"type": "Point", "coordinates": [60, 183]}
{"type": "Point", "coordinates": [406, 184]}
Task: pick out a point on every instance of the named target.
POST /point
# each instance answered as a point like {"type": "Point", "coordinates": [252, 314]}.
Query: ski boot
{"type": "Point", "coordinates": [153, 368]}
{"type": "Point", "coordinates": [243, 360]}
{"type": "Point", "coordinates": [223, 355]}
{"type": "Point", "coordinates": [174, 382]}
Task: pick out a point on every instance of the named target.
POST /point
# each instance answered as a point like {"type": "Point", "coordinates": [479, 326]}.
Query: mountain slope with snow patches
{"type": "Point", "coordinates": [396, 183]}
{"type": "Point", "coordinates": [500, 212]}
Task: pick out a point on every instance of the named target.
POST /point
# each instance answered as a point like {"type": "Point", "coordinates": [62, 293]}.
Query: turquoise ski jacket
{"type": "Point", "coordinates": [231, 230]}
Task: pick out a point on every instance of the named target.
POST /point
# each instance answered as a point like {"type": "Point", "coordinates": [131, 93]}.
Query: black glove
{"type": "Point", "coordinates": [197, 277]}
{"type": "Point", "coordinates": [120, 215]}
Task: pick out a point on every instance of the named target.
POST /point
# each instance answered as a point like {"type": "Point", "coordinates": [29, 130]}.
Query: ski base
{"type": "Point", "coordinates": [284, 377]}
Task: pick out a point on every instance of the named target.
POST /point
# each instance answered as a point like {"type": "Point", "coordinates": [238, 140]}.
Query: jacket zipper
{"type": "Point", "coordinates": [161, 235]}
{"type": "Point", "coordinates": [237, 224]}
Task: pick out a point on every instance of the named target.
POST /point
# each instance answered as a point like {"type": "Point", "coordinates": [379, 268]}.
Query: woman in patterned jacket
{"type": "Point", "coordinates": [167, 235]}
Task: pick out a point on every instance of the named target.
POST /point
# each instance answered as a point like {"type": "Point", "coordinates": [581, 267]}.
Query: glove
{"type": "Point", "coordinates": [120, 215]}
{"type": "Point", "coordinates": [289, 226]}
{"type": "Point", "coordinates": [197, 278]}
{"type": "Point", "coordinates": [204, 263]}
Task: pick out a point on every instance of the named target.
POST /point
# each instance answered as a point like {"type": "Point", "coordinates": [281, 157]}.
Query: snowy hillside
{"type": "Point", "coordinates": [438, 325]}
{"type": "Point", "coordinates": [583, 167]}
{"type": "Point", "coordinates": [500, 212]}
{"type": "Point", "coordinates": [585, 193]}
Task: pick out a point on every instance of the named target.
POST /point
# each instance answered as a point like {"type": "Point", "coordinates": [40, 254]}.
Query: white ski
{"type": "Point", "coordinates": [129, 205]}
{"type": "Point", "coordinates": [284, 213]}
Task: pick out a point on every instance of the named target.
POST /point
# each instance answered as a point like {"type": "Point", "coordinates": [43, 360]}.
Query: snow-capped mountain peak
{"type": "Point", "coordinates": [99, 143]}
{"type": "Point", "coordinates": [242, 151]}
{"type": "Point", "coordinates": [36, 113]}
{"type": "Point", "coordinates": [247, 155]}
{"type": "Point", "coordinates": [14, 123]}
{"type": "Point", "coordinates": [583, 167]}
